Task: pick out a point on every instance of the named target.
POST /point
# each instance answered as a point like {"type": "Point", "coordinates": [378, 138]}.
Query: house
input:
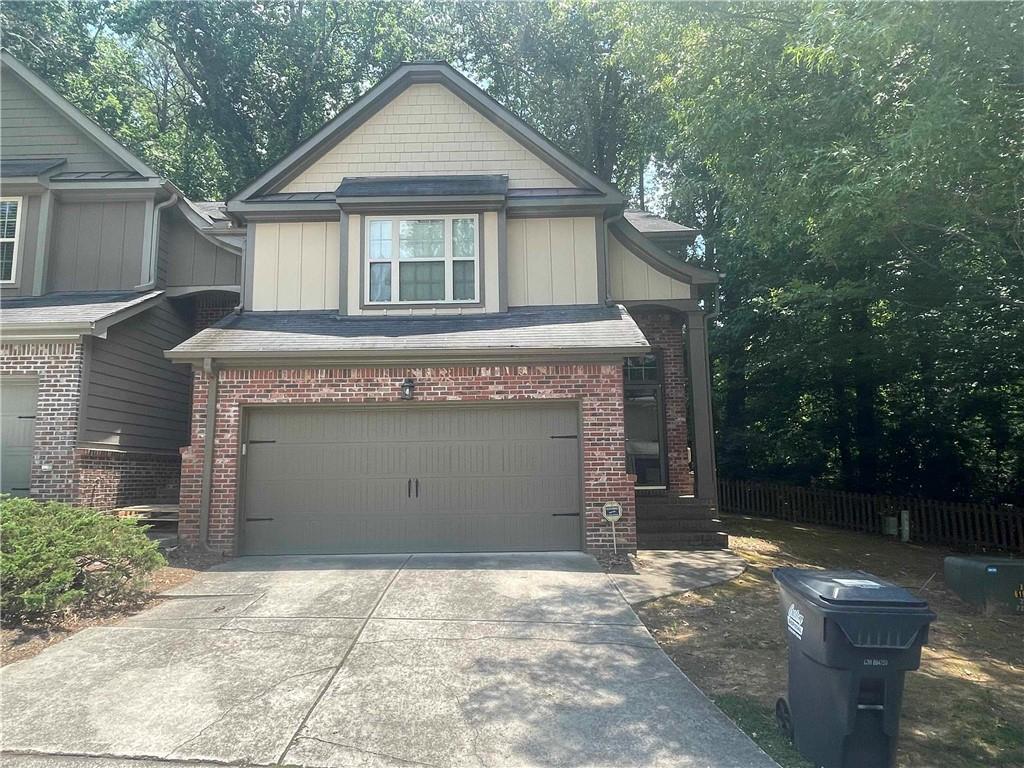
{"type": "Point", "coordinates": [452, 337]}
{"type": "Point", "coordinates": [103, 266]}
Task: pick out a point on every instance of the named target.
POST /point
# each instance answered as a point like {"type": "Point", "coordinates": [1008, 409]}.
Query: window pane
{"type": "Point", "coordinates": [380, 240]}
{"type": "Point", "coordinates": [421, 239]}
{"type": "Point", "coordinates": [8, 218]}
{"type": "Point", "coordinates": [7, 261]}
{"type": "Point", "coordinates": [380, 282]}
{"type": "Point", "coordinates": [463, 238]}
{"type": "Point", "coordinates": [421, 282]}
{"type": "Point", "coordinates": [464, 280]}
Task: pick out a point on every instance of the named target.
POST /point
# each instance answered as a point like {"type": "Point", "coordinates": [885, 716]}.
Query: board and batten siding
{"type": "Point", "coordinates": [630, 279]}
{"type": "Point", "coordinates": [188, 258]}
{"type": "Point", "coordinates": [295, 265]}
{"type": "Point", "coordinates": [134, 397]}
{"type": "Point", "coordinates": [552, 261]}
{"type": "Point", "coordinates": [31, 128]}
{"type": "Point", "coordinates": [97, 245]}
{"type": "Point", "coordinates": [427, 130]}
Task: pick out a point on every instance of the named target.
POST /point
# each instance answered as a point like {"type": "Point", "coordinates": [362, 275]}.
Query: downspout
{"type": "Point", "coordinates": [208, 443]}
{"type": "Point", "coordinates": [149, 278]}
{"type": "Point", "coordinates": [607, 275]}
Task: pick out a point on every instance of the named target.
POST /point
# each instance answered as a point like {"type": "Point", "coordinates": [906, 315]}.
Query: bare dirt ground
{"type": "Point", "coordinates": [964, 707]}
{"type": "Point", "coordinates": [26, 640]}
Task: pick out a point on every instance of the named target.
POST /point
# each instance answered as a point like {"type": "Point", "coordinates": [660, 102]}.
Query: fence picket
{"type": "Point", "coordinates": [931, 520]}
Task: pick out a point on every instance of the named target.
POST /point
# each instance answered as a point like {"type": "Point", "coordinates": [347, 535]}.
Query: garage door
{"type": "Point", "coordinates": [17, 434]}
{"type": "Point", "coordinates": [411, 479]}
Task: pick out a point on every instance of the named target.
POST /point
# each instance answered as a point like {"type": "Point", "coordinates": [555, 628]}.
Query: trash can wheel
{"type": "Point", "coordinates": [783, 718]}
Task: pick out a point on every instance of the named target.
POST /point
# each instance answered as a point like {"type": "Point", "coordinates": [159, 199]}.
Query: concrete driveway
{"type": "Point", "coordinates": [438, 660]}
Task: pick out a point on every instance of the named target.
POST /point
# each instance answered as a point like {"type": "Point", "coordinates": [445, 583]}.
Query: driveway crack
{"type": "Point", "coordinates": [326, 686]}
{"type": "Point", "coordinates": [354, 748]}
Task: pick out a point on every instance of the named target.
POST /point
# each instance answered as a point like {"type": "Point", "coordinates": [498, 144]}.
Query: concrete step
{"type": "Point", "coordinates": [677, 524]}
{"type": "Point", "coordinates": [693, 540]}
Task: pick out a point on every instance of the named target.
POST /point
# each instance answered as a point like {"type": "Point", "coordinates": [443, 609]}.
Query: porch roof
{"type": "Point", "coordinates": [70, 313]}
{"type": "Point", "coordinates": [552, 332]}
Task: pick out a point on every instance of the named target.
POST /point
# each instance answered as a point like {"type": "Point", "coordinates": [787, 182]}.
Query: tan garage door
{"type": "Point", "coordinates": [457, 478]}
{"type": "Point", "coordinates": [17, 433]}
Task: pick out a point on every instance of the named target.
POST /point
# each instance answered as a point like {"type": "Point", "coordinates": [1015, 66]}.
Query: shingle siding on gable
{"type": "Point", "coordinates": [29, 127]}
{"type": "Point", "coordinates": [427, 130]}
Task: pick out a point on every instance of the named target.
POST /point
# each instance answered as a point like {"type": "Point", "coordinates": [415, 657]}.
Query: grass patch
{"type": "Point", "coordinates": [758, 722]}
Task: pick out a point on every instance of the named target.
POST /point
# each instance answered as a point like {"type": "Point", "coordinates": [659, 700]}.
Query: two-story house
{"type": "Point", "coordinates": [103, 266]}
{"type": "Point", "coordinates": [453, 337]}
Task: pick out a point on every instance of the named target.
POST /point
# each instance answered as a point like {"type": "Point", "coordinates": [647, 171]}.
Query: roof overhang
{"type": "Point", "coordinates": [655, 256]}
{"type": "Point", "coordinates": [12, 329]}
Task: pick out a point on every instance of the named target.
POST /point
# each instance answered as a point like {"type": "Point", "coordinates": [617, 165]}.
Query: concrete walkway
{"type": "Point", "coordinates": [438, 660]}
{"type": "Point", "coordinates": [661, 572]}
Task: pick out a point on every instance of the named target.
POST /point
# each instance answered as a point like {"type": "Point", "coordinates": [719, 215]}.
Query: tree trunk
{"type": "Point", "coordinates": [865, 389]}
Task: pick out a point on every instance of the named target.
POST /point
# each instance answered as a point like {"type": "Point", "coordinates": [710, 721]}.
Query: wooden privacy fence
{"type": "Point", "coordinates": [934, 522]}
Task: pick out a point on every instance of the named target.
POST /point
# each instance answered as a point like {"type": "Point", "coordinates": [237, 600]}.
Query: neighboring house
{"type": "Point", "coordinates": [103, 266]}
{"type": "Point", "coordinates": [453, 338]}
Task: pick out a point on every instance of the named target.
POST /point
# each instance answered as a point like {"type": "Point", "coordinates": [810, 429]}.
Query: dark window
{"type": "Point", "coordinates": [642, 370]}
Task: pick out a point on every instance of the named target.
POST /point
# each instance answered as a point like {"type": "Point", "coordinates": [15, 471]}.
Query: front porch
{"type": "Point", "coordinates": [668, 429]}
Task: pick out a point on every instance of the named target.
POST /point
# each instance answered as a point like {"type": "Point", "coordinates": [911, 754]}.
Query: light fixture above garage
{"type": "Point", "coordinates": [408, 386]}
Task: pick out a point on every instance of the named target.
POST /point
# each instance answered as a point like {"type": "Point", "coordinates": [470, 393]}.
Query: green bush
{"type": "Point", "coordinates": [54, 557]}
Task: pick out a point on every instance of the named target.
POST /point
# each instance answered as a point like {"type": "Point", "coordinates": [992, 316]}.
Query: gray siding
{"type": "Point", "coordinates": [135, 398]}
{"type": "Point", "coordinates": [29, 127]}
{"type": "Point", "coordinates": [97, 246]}
{"type": "Point", "coordinates": [29, 240]}
{"type": "Point", "coordinates": [191, 259]}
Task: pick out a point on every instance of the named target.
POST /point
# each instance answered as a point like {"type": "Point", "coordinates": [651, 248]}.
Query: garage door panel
{"type": "Point", "coordinates": [339, 479]}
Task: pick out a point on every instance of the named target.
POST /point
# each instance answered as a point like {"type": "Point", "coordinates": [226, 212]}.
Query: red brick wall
{"type": "Point", "coordinates": [211, 307]}
{"type": "Point", "coordinates": [109, 479]}
{"type": "Point", "coordinates": [597, 387]}
{"type": "Point", "coordinates": [57, 367]}
{"type": "Point", "coordinates": [664, 331]}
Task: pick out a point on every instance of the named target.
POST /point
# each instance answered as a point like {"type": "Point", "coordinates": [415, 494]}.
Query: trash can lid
{"type": "Point", "coordinates": [851, 588]}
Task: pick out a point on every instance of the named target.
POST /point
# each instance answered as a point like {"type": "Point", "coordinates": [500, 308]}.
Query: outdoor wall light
{"type": "Point", "coordinates": [408, 385]}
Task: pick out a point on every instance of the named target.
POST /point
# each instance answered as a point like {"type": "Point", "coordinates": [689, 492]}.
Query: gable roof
{"type": "Point", "coordinates": [387, 89]}
{"type": "Point", "coordinates": [75, 116]}
{"type": "Point", "coordinates": [649, 252]}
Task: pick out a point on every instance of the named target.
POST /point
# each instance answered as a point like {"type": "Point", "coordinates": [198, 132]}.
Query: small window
{"type": "Point", "coordinates": [10, 226]}
{"type": "Point", "coordinates": [642, 370]}
{"type": "Point", "coordinates": [429, 260]}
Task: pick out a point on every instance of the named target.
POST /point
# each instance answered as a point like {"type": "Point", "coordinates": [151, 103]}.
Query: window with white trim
{"type": "Point", "coordinates": [10, 229]}
{"type": "Point", "coordinates": [422, 260]}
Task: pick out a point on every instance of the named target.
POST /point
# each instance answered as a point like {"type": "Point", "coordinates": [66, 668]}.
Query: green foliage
{"type": "Point", "coordinates": [56, 557]}
{"type": "Point", "coordinates": [758, 722]}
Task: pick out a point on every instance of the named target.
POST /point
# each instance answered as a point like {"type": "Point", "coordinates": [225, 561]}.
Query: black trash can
{"type": "Point", "coordinates": [851, 637]}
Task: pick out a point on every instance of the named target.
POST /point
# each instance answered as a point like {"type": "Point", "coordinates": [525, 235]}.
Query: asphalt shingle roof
{"type": "Point", "coordinates": [69, 308]}
{"type": "Point", "coordinates": [30, 167]}
{"type": "Point", "coordinates": [555, 329]}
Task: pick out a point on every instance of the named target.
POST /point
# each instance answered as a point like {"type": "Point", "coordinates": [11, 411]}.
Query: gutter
{"type": "Point", "coordinates": [154, 243]}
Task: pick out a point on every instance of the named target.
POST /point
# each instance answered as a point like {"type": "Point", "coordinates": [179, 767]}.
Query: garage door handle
{"type": "Point", "coordinates": [417, 487]}
{"type": "Point", "coordinates": [258, 519]}
{"type": "Point", "coordinates": [565, 514]}
{"type": "Point", "coordinates": [564, 437]}
{"type": "Point", "coordinates": [26, 417]}
{"type": "Point", "coordinates": [408, 488]}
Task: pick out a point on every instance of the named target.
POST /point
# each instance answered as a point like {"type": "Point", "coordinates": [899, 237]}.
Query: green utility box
{"type": "Point", "coordinates": [994, 584]}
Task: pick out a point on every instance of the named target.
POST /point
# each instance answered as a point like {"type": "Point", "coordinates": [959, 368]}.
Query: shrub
{"type": "Point", "coordinates": [55, 556]}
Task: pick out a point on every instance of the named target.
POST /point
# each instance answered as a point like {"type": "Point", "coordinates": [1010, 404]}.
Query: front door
{"type": "Point", "coordinates": [17, 433]}
{"type": "Point", "coordinates": [645, 422]}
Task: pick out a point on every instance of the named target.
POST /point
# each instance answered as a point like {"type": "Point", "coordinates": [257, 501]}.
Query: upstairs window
{"type": "Point", "coordinates": [427, 260]}
{"type": "Point", "coordinates": [10, 226]}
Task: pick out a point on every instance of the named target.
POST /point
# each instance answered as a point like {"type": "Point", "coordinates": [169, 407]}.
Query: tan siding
{"type": "Point", "coordinates": [629, 278]}
{"type": "Point", "coordinates": [492, 277]}
{"type": "Point", "coordinates": [296, 266]}
{"type": "Point", "coordinates": [552, 261]}
{"type": "Point", "coordinates": [427, 130]}
{"type": "Point", "coordinates": [30, 127]}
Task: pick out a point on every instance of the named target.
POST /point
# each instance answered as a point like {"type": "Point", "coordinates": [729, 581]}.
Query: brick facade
{"type": "Point", "coordinates": [57, 369]}
{"type": "Point", "coordinates": [598, 387]}
{"type": "Point", "coordinates": [109, 479]}
{"type": "Point", "coordinates": [664, 331]}
{"type": "Point", "coordinates": [211, 307]}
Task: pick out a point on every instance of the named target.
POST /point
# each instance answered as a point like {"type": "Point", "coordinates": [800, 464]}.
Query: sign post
{"type": "Point", "coordinates": [612, 512]}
